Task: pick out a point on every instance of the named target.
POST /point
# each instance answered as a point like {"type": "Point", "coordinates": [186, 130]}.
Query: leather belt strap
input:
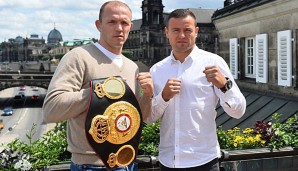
{"type": "Point", "coordinates": [114, 122]}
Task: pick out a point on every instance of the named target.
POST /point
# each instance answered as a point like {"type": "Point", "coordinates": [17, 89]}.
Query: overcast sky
{"type": "Point", "coordinates": [73, 18]}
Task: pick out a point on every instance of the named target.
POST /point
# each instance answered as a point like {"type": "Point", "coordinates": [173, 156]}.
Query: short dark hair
{"type": "Point", "coordinates": [119, 3]}
{"type": "Point", "coordinates": [180, 13]}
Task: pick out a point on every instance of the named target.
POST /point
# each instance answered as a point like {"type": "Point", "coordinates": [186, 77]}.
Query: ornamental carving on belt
{"type": "Point", "coordinates": [118, 124]}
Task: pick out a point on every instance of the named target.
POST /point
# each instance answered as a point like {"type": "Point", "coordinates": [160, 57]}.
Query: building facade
{"type": "Point", "coordinates": [65, 46]}
{"type": "Point", "coordinates": [23, 49]}
{"type": "Point", "coordinates": [259, 41]}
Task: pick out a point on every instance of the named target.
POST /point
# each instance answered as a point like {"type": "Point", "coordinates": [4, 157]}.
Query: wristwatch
{"type": "Point", "coordinates": [227, 86]}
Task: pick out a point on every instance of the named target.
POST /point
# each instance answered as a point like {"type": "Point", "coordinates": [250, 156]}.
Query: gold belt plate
{"type": "Point", "coordinates": [119, 123]}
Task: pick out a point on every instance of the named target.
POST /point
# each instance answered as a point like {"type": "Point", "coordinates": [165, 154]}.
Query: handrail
{"type": "Point", "coordinates": [258, 153]}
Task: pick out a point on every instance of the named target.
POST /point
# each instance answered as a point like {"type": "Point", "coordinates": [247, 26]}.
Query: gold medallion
{"type": "Point", "coordinates": [119, 123]}
{"type": "Point", "coordinates": [123, 157]}
{"type": "Point", "coordinates": [112, 88]}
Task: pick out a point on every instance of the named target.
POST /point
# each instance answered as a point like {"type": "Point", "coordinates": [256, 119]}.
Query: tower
{"type": "Point", "coordinates": [152, 30]}
{"type": "Point", "coordinates": [152, 14]}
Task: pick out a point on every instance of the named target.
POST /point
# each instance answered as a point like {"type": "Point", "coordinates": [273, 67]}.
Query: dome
{"type": "Point", "coordinates": [19, 40]}
{"type": "Point", "coordinates": [54, 36]}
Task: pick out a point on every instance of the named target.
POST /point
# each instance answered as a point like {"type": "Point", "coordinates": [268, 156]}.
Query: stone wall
{"type": "Point", "coordinates": [268, 18]}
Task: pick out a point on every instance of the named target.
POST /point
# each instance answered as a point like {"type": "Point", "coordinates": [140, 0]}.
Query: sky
{"type": "Point", "coordinates": [73, 18]}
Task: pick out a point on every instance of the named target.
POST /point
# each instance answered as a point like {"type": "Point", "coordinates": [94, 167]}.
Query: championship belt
{"type": "Point", "coordinates": [114, 122]}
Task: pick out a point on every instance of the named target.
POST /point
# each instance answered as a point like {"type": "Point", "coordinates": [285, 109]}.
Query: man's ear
{"type": "Point", "coordinates": [197, 31]}
{"type": "Point", "coordinates": [167, 32]}
{"type": "Point", "coordinates": [98, 24]}
{"type": "Point", "coordinates": [131, 26]}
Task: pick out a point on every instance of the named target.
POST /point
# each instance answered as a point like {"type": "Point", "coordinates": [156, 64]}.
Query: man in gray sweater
{"type": "Point", "coordinates": [69, 91]}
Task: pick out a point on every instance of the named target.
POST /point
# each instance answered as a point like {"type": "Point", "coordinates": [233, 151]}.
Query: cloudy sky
{"type": "Point", "coordinates": [73, 18]}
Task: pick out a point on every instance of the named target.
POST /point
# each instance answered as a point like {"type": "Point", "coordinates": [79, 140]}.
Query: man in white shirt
{"type": "Point", "coordinates": [187, 87]}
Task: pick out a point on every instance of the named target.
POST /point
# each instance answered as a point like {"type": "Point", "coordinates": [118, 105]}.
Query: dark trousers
{"type": "Point", "coordinates": [210, 166]}
{"type": "Point", "coordinates": [89, 167]}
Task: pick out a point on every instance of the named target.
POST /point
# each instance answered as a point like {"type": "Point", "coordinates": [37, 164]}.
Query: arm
{"type": "Point", "coordinates": [65, 98]}
{"type": "Point", "coordinates": [145, 92]}
{"type": "Point", "coordinates": [158, 108]}
{"type": "Point", "coordinates": [162, 99]}
{"type": "Point", "coordinates": [232, 101]}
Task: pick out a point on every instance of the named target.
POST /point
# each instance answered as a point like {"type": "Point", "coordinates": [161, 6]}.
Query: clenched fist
{"type": "Point", "coordinates": [171, 88]}
{"type": "Point", "coordinates": [146, 83]}
{"type": "Point", "coordinates": [214, 76]}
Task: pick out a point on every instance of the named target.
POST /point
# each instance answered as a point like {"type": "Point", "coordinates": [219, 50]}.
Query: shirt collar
{"type": "Point", "coordinates": [192, 55]}
{"type": "Point", "coordinates": [109, 54]}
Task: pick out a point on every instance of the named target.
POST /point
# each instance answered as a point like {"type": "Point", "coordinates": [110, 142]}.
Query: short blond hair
{"type": "Point", "coordinates": [114, 3]}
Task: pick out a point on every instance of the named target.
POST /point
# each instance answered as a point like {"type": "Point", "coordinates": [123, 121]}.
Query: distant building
{"type": "Point", "coordinates": [23, 49]}
{"type": "Point", "coordinates": [54, 37]}
{"type": "Point", "coordinates": [147, 39]}
{"type": "Point", "coordinates": [65, 46]}
{"type": "Point", "coordinates": [34, 48]}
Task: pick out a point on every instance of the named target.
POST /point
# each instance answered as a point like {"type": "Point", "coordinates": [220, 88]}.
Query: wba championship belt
{"type": "Point", "coordinates": [114, 122]}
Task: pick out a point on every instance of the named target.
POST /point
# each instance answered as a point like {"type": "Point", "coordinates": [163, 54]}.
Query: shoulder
{"type": "Point", "coordinates": [129, 62]}
{"type": "Point", "coordinates": [209, 56]}
{"type": "Point", "coordinates": [85, 49]}
{"type": "Point", "coordinates": [79, 55]}
{"type": "Point", "coordinates": [83, 52]}
{"type": "Point", "coordinates": [161, 64]}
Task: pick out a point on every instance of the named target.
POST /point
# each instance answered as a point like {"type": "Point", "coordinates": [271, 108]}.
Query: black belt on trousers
{"type": "Point", "coordinates": [114, 122]}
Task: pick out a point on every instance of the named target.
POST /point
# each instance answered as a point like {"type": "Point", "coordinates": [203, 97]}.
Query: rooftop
{"type": "Point", "coordinates": [258, 107]}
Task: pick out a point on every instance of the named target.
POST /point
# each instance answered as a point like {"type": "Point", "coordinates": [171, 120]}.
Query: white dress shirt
{"type": "Point", "coordinates": [188, 128]}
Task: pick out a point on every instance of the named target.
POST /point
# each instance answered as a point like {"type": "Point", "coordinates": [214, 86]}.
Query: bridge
{"type": "Point", "coordinates": [33, 73]}
{"type": "Point", "coordinates": [16, 78]}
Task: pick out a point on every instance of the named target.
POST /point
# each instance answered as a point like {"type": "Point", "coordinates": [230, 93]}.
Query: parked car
{"type": "Point", "coordinates": [22, 93]}
{"type": "Point", "coordinates": [35, 97]}
{"type": "Point", "coordinates": [22, 88]}
{"type": "Point", "coordinates": [1, 124]}
{"type": "Point", "coordinates": [7, 111]}
{"type": "Point", "coordinates": [35, 89]}
{"type": "Point", "coordinates": [19, 97]}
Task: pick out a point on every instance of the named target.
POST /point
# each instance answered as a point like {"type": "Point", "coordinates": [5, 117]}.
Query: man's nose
{"type": "Point", "coordinates": [181, 34]}
{"type": "Point", "coordinates": [119, 27]}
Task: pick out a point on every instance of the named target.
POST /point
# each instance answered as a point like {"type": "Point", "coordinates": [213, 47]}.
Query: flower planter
{"type": "Point", "coordinates": [259, 159]}
{"type": "Point", "coordinates": [263, 159]}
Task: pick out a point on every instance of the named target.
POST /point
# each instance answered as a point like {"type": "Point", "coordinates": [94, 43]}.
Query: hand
{"type": "Point", "coordinates": [171, 88]}
{"type": "Point", "coordinates": [214, 76]}
{"type": "Point", "coordinates": [146, 83]}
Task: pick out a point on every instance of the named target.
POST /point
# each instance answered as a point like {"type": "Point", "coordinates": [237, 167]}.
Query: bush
{"type": "Point", "coordinates": [272, 134]}
{"type": "Point", "coordinates": [239, 139]}
{"type": "Point", "coordinates": [48, 150]}
{"type": "Point", "coordinates": [150, 139]}
{"type": "Point", "coordinates": [284, 134]}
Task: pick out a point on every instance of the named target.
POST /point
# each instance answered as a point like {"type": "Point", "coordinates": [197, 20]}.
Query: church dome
{"type": "Point", "coordinates": [54, 36]}
{"type": "Point", "coordinates": [19, 40]}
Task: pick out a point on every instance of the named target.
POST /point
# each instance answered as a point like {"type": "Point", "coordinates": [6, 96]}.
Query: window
{"type": "Point", "coordinates": [249, 58]}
